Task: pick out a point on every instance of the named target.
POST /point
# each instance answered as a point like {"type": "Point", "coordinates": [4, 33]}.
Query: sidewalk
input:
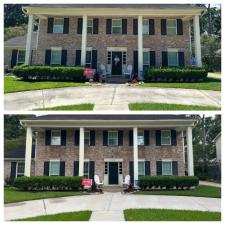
{"type": "Point", "coordinates": [208, 183]}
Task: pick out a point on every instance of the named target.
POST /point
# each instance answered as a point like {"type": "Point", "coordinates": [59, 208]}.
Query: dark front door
{"type": "Point", "coordinates": [116, 63]}
{"type": "Point", "coordinates": [113, 173]}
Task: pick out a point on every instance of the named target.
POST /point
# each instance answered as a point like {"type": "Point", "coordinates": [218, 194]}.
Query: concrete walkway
{"type": "Point", "coordinates": [108, 206]}
{"type": "Point", "coordinates": [109, 97]}
{"type": "Point", "coordinates": [208, 183]}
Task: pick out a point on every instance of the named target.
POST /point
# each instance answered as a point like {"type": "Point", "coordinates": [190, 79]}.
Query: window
{"type": "Point", "coordinates": [20, 169]}
{"type": "Point", "coordinates": [146, 58]}
{"type": "Point", "coordinates": [87, 137]}
{"type": "Point", "coordinates": [166, 137]}
{"type": "Point", "coordinates": [58, 25]}
{"type": "Point", "coordinates": [141, 137]}
{"type": "Point", "coordinates": [56, 137]}
{"type": "Point", "coordinates": [56, 57]}
{"type": "Point", "coordinates": [86, 169]}
{"type": "Point", "coordinates": [167, 168]}
{"type": "Point", "coordinates": [54, 168]}
{"type": "Point", "coordinates": [21, 57]}
{"type": "Point", "coordinates": [173, 58]}
{"type": "Point", "coordinates": [171, 27]}
{"type": "Point", "coordinates": [141, 169]}
{"type": "Point", "coordinates": [109, 57]}
{"type": "Point", "coordinates": [116, 26]}
{"type": "Point", "coordinates": [113, 138]}
{"type": "Point", "coordinates": [120, 168]}
{"type": "Point", "coordinates": [124, 58]}
{"type": "Point", "coordinates": [106, 168]}
{"type": "Point", "coordinates": [145, 27]}
{"type": "Point", "coordinates": [88, 59]}
{"type": "Point", "coordinates": [90, 26]}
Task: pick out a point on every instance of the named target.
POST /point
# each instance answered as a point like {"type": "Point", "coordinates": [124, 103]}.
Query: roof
{"type": "Point", "coordinates": [20, 41]}
{"type": "Point", "coordinates": [18, 152]}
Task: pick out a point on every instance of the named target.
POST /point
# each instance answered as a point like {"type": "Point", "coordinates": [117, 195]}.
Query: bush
{"type": "Point", "coordinates": [168, 182]}
{"type": "Point", "coordinates": [174, 74]}
{"type": "Point", "coordinates": [44, 183]}
{"type": "Point", "coordinates": [49, 73]}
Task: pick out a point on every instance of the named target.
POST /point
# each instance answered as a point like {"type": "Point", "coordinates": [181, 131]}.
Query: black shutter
{"type": "Point", "coordinates": [120, 137]}
{"type": "Point", "coordinates": [48, 135]}
{"type": "Point", "coordinates": [181, 59]}
{"type": "Point", "coordinates": [179, 27]}
{"type": "Point", "coordinates": [158, 137]}
{"type": "Point", "coordinates": [152, 58]}
{"type": "Point", "coordinates": [92, 137]}
{"type": "Point", "coordinates": [94, 59]}
{"type": "Point", "coordinates": [151, 27]}
{"type": "Point", "coordinates": [63, 137]}
{"type": "Point", "coordinates": [105, 137]}
{"type": "Point", "coordinates": [135, 26]}
{"type": "Point", "coordinates": [14, 57]}
{"type": "Point", "coordinates": [47, 56]}
{"type": "Point", "coordinates": [76, 137]}
{"type": "Point", "coordinates": [46, 168]}
{"type": "Point", "coordinates": [76, 168]}
{"type": "Point", "coordinates": [147, 168]}
{"type": "Point", "coordinates": [131, 171]}
{"type": "Point", "coordinates": [78, 58]}
{"type": "Point", "coordinates": [164, 59]}
{"type": "Point", "coordinates": [95, 26]}
{"type": "Point", "coordinates": [135, 61]}
{"type": "Point", "coordinates": [108, 26]}
{"type": "Point", "coordinates": [62, 168]}
{"type": "Point", "coordinates": [79, 25]}
{"type": "Point", "coordinates": [50, 25]}
{"type": "Point", "coordinates": [146, 137]}
{"type": "Point", "coordinates": [175, 168]}
{"type": "Point", "coordinates": [66, 26]}
{"type": "Point", "coordinates": [13, 171]}
{"type": "Point", "coordinates": [91, 169]}
{"type": "Point", "coordinates": [124, 26]}
{"type": "Point", "coordinates": [159, 168]}
{"type": "Point", "coordinates": [64, 57]}
{"type": "Point", "coordinates": [130, 137]}
{"type": "Point", "coordinates": [163, 27]}
{"type": "Point", "coordinates": [173, 137]}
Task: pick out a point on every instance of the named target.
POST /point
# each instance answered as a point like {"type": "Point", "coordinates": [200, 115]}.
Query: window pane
{"type": "Point", "coordinates": [56, 137]}
{"type": "Point", "coordinates": [56, 57]}
{"type": "Point", "coordinates": [166, 137]}
{"type": "Point", "coordinates": [87, 137]}
{"type": "Point", "coordinates": [146, 58]}
{"type": "Point", "coordinates": [113, 138]}
{"type": "Point", "coordinates": [58, 25]}
{"type": "Point", "coordinates": [141, 168]}
{"type": "Point", "coordinates": [140, 138]}
{"type": "Point", "coordinates": [116, 30]}
{"type": "Point", "coordinates": [89, 23]}
{"type": "Point", "coordinates": [167, 168]}
{"type": "Point", "coordinates": [171, 27]}
{"type": "Point", "coordinates": [90, 26]}
{"type": "Point", "coordinates": [117, 23]}
{"type": "Point", "coordinates": [86, 169]}
{"type": "Point", "coordinates": [20, 168]}
{"type": "Point", "coordinates": [54, 168]}
{"type": "Point", "coordinates": [145, 27]}
{"type": "Point", "coordinates": [21, 57]}
{"type": "Point", "coordinates": [172, 59]}
{"type": "Point", "coordinates": [88, 56]}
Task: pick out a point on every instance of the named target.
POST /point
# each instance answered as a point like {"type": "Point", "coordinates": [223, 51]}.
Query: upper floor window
{"type": "Point", "coordinates": [172, 27]}
{"type": "Point", "coordinates": [145, 24]}
{"type": "Point", "coordinates": [113, 138]}
{"type": "Point", "coordinates": [141, 140]}
{"type": "Point", "coordinates": [173, 57]}
{"type": "Point", "coordinates": [54, 168]}
{"type": "Point", "coordinates": [116, 26]}
{"type": "Point", "coordinates": [56, 137]}
{"type": "Point", "coordinates": [20, 169]}
{"type": "Point", "coordinates": [21, 57]}
{"type": "Point", "coordinates": [87, 137]}
{"type": "Point", "coordinates": [90, 26]}
{"type": "Point", "coordinates": [167, 168]}
{"type": "Point", "coordinates": [58, 25]}
{"type": "Point", "coordinates": [88, 59]}
{"type": "Point", "coordinates": [56, 56]}
{"type": "Point", "coordinates": [166, 137]}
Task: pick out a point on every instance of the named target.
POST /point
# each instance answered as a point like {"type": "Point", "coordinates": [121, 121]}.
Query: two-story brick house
{"type": "Point", "coordinates": [115, 35]}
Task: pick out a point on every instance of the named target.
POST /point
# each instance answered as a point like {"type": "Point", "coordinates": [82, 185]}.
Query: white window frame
{"type": "Point", "coordinates": [87, 174]}
{"type": "Point", "coordinates": [61, 26]}
{"type": "Point", "coordinates": [172, 50]}
{"type": "Point", "coordinates": [87, 63]}
{"type": "Point", "coordinates": [146, 51]}
{"type": "Point", "coordinates": [167, 26]}
{"type": "Point", "coordinates": [141, 161]}
{"type": "Point", "coordinates": [90, 26]}
{"type": "Point", "coordinates": [162, 138]}
{"type": "Point", "coordinates": [54, 161]}
{"type": "Point", "coordinates": [17, 59]}
{"type": "Point", "coordinates": [145, 33]}
{"type": "Point", "coordinates": [117, 141]}
{"type": "Point", "coordinates": [167, 161]}
{"type": "Point", "coordinates": [56, 130]}
{"type": "Point", "coordinates": [116, 26]}
{"type": "Point", "coordinates": [17, 166]}
{"type": "Point", "coordinates": [60, 59]}
{"type": "Point", "coordinates": [141, 131]}
{"type": "Point", "coordinates": [87, 131]}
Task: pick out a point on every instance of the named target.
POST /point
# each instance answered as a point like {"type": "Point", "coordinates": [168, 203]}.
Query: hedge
{"type": "Point", "coordinates": [168, 182]}
{"type": "Point", "coordinates": [49, 73]}
{"type": "Point", "coordinates": [44, 183]}
{"type": "Point", "coordinates": [174, 74]}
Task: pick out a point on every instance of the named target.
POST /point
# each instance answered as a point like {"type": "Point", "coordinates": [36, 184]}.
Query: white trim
{"type": "Point", "coordinates": [121, 26]}
{"type": "Point", "coordinates": [117, 137]}
{"type": "Point", "coordinates": [53, 160]}
{"type": "Point", "coordinates": [56, 48]}
{"type": "Point", "coordinates": [172, 49]}
{"type": "Point", "coordinates": [58, 18]}
{"type": "Point", "coordinates": [113, 160]}
{"type": "Point", "coordinates": [167, 160]}
{"type": "Point", "coordinates": [117, 49]}
{"type": "Point", "coordinates": [88, 49]}
{"type": "Point", "coordinates": [92, 25]}
{"type": "Point", "coordinates": [167, 27]}
{"type": "Point", "coordinates": [55, 130]}
{"type": "Point", "coordinates": [170, 138]}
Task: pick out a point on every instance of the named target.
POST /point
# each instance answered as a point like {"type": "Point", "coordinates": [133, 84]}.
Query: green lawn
{"type": "Point", "coordinates": [210, 84]}
{"type": "Point", "coordinates": [71, 216]}
{"type": "Point", "coordinates": [169, 215]}
{"type": "Point", "coordinates": [163, 106]}
{"type": "Point", "coordinates": [200, 191]}
{"type": "Point", "coordinates": [12, 195]}
{"type": "Point", "coordinates": [13, 84]}
{"type": "Point", "coordinates": [71, 107]}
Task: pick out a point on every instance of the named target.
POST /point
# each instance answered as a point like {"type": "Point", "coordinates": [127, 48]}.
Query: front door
{"type": "Point", "coordinates": [113, 173]}
{"type": "Point", "coordinates": [116, 63]}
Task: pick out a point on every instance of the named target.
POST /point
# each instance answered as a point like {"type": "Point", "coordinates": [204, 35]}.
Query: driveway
{"type": "Point", "coordinates": [109, 97]}
{"type": "Point", "coordinates": [108, 206]}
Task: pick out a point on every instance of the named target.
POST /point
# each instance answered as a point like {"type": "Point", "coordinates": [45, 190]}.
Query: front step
{"type": "Point", "coordinates": [112, 189]}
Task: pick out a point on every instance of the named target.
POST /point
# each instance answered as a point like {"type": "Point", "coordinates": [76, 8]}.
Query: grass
{"type": "Point", "coordinates": [200, 191]}
{"type": "Point", "coordinates": [164, 106]}
{"type": "Point", "coordinates": [70, 216]}
{"type": "Point", "coordinates": [169, 215]}
{"type": "Point", "coordinates": [210, 84]}
{"type": "Point", "coordinates": [12, 195]}
{"type": "Point", "coordinates": [13, 84]}
{"type": "Point", "coordinates": [71, 107]}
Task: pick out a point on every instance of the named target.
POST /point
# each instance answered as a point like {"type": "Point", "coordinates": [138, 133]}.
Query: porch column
{"type": "Point", "coordinates": [28, 152]}
{"type": "Point", "coordinates": [29, 40]}
{"type": "Point", "coordinates": [197, 39]}
{"type": "Point", "coordinates": [140, 48]}
{"type": "Point", "coordinates": [84, 41]}
{"type": "Point", "coordinates": [81, 152]}
{"type": "Point", "coordinates": [135, 152]}
{"type": "Point", "coordinates": [190, 151]}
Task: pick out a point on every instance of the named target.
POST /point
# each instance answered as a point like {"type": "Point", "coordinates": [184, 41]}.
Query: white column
{"type": "Point", "coordinates": [81, 152]}
{"type": "Point", "coordinates": [84, 41]}
{"type": "Point", "coordinates": [190, 151]}
{"type": "Point", "coordinates": [197, 39]}
{"type": "Point", "coordinates": [28, 152]}
{"type": "Point", "coordinates": [140, 48]}
{"type": "Point", "coordinates": [29, 40]}
{"type": "Point", "coordinates": [135, 152]}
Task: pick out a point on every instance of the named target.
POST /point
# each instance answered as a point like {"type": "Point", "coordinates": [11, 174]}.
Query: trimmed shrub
{"type": "Point", "coordinates": [175, 74]}
{"type": "Point", "coordinates": [168, 182]}
{"type": "Point", "coordinates": [44, 183]}
{"type": "Point", "coordinates": [49, 73]}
